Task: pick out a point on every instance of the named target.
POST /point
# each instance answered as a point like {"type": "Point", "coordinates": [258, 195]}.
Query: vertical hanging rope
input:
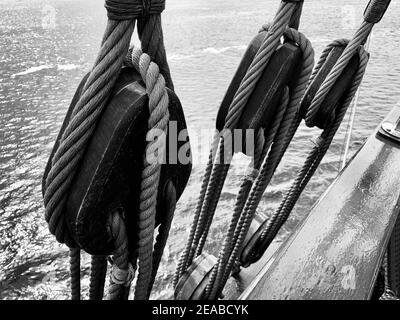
{"type": "Point", "coordinates": [98, 273]}
{"type": "Point", "coordinates": [158, 120]}
{"type": "Point", "coordinates": [185, 257]}
{"type": "Point", "coordinates": [75, 270]}
{"type": "Point", "coordinates": [169, 204]}
{"type": "Point", "coordinates": [152, 41]}
{"type": "Point", "coordinates": [219, 269]}
{"type": "Point", "coordinates": [353, 116]}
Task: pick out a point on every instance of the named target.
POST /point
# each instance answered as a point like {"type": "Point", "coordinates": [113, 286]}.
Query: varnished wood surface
{"type": "Point", "coordinates": [337, 251]}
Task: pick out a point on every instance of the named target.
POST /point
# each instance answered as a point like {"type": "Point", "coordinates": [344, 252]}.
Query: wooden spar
{"type": "Point", "coordinates": [337, 251]}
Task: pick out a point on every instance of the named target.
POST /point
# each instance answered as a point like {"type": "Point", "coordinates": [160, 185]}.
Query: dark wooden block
{"type": "Point", "coordinates": [109, 177]}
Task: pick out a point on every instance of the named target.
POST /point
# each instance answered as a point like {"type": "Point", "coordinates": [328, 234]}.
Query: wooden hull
{"type": "Point", "coordinates": [338, 250]}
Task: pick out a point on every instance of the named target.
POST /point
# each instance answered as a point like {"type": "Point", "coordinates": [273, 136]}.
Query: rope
{"type": "Point", "coordinates": [122, 16]}
{"type": "Point", "coordinates": [351, 49]}
{"type": "Point", "coordinates": [83, 120]}
{"type": "Point", "coordinates": [184, 259]}
{"type": "Point", "coordinates": [267, 170]}
{"type": "Point", "coordinates": [313, 160]}
{"type": "Point", "coordinates": [216, 174]}
{"type": "Point", "coordinates": [170, 200]}
{"type": "Point", "coordinates": [353, 116]}
{"type": "Point", "coordinates": [132, 9]}
{"type": "Point", "coordinates": [152, 42]}
{"type": "Point", "coordinates": [75, 270]}
{"type": "Point", "coordinates": [158, 120]}
{"type": "Point", "coordinates": [230, 239]}
{"type": "Point", "coordinates": [98, 273]}
{"type": "Point", "coordinates": [115, 44]}
{"type": "Point", "coordinates": [278, 139]}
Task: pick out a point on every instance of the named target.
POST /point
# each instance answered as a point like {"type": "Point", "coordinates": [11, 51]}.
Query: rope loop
{"type": "Point", "coordinates": [159, 117]}
{"type": "Point", "coordinates": [133, 9]}
{"type": "Point", "coordinates": [123, 277]}
{"type": "Point", "coordinates": [317, 103]}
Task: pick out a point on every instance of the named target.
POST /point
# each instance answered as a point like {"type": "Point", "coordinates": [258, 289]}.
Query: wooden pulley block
{"type": "Point", "coordinates": [252, 238]}
{"type": "Point", "coordinates": [327, 112]}
{"type": "Point", "coordinates": [193, 283]}
{"type": "Point", "coordinates": [281, 71]}
{"type": "Point", "coordinates": [109, 177]}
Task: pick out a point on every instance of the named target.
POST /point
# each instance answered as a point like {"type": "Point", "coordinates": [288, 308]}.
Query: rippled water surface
{"type": "Point", "coordinates": [41, 64]}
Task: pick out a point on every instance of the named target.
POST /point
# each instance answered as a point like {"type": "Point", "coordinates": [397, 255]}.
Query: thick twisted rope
{"type": "Point", "coordinates": [75, 270]}
{"type": "Point", "coordinates": [184, 259]}
{"type": "Point", "coordinates": [152, 42]}
{"type": "Point", "coordinates": [215, 175]}
{"type": "Point", "coordinates": [158, 122]}
{"type": "Point", "coordinates": [83, 121]}
{"type": "Point", "coordinates": [260, 61]}
{"type": "Point", "coordinates": [170, 200]}
{"type": "Point", "coordinates": [98, 273]}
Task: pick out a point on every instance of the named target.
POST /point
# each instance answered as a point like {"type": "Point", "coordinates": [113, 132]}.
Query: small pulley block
{"type": "Point", "coordinates": [281, 71]}
{"type": "Point", "coordinates": [193, 283]}
{"type": "Point", "coordinates": [249, 253]}
{"type": "Point", "coordinates": [327, 111]}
